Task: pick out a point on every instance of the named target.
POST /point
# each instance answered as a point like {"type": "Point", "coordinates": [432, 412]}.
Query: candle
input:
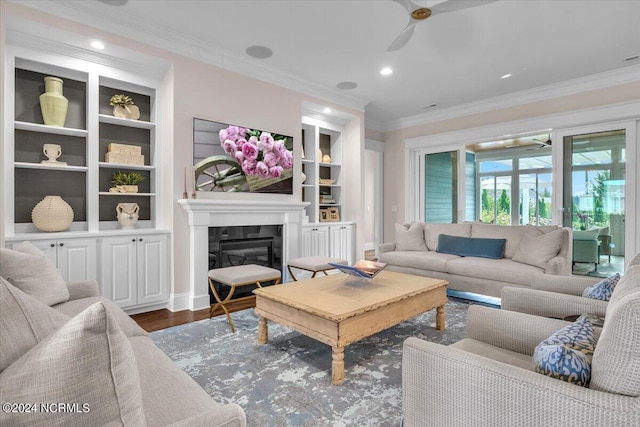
{"type": "Point", "coordinates": [193, 176]}
{"type": "Point", "coordinates": [185, 194]}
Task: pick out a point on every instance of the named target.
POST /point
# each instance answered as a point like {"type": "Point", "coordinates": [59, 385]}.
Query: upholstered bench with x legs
{"type": "Point", "coordinates": [237, 276]}
{"type": "Point", "coordinates": [315, 264]}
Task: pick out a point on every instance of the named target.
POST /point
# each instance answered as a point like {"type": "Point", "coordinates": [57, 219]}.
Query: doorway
{"type": "Point", "coordinates": [594, 199]}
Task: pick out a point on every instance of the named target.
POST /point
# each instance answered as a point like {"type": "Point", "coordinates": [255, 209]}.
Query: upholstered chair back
{"type": "Point", "coordinates": [616, 360]}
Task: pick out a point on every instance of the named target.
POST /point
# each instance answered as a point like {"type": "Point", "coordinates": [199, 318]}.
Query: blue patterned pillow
{"type": "Point", "coordinates": [603, 289]}
{"type": "Point", "coordinates": [567, 353]}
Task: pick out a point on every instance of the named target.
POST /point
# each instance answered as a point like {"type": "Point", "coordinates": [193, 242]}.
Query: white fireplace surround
{"type": "Point", "coordinates": [205, 213]}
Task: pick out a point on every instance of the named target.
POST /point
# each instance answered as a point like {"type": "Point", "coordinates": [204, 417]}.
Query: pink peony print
{"type": "Point", "coordinates": [229, 147]}
{"type": "Point", "coordinates": [275, 171]}
{"type": "Point", "coordinates": [249, 167]}
{"type": "Point", "coordinates": [250, 151]}
{"type": "Point", "coordinates": [262, 169]}
{"type": "Point", "coordinates": [271, 159]}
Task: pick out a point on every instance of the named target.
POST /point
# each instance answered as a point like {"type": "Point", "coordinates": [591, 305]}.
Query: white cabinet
{"type": "Point", "coordinates": [341, 238]}
{"type": "Point", "coordinates": [334, 240]}
{"type": "Point", "coordinates": [134, 269]}
{"type": "Point", "coordinates": [74, 258]}
{"type": "Point", "coordinates": [315, 241]}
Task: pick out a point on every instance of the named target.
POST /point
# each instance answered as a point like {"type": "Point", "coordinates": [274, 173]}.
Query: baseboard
{"type": "Point", "coordinates": [146, 308]}
{"type": "Point", "coordinates": [178, 302]}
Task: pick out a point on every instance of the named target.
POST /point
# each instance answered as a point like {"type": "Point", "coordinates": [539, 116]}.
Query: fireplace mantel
{"type": "Point", "coordinates": [205, 213]}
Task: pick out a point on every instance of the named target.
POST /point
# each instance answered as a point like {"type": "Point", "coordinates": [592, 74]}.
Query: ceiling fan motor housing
{"type": "Point", "coordinates": [421, 13]}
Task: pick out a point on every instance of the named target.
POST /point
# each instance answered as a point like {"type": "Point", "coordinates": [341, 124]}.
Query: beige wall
{"type": "Point", "coordinates": [394, 153]}
{"type": "Point", "coordinates": [196, 89]}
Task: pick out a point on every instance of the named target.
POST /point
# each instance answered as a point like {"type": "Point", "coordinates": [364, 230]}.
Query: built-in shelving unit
{"type": "Point", "coordinates": [131, 265]}
{"type": "Point", "coordinates": [323, 178]}
{"type": "Point", "coordinates": [90, 127]}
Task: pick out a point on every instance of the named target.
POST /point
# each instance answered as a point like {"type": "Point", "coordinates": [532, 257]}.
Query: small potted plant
{"type": "Point", "coordinates": [126, 182]}
{"type": "Point", "coordinates": [123, 107]}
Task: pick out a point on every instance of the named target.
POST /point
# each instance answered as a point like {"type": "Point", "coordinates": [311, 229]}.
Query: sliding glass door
{"type": "Point", "coordinates": [595, 194]}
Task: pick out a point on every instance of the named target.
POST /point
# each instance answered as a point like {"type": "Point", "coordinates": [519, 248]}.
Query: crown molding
{"type": "Point", "coordinates": [110, 19]}
{"type": "Point", "coordinates": [617, 77]}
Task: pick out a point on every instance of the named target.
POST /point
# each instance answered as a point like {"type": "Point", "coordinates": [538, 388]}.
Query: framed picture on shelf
{"type": "Point", "coordinates": [324, 215]}
{"type": "Point", "coordinates": [333, 214]}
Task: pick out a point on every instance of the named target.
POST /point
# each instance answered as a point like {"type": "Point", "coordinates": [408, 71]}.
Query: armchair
{"type": "Point", "coordinates": [553, 296]}
{"type": "Point", "coordinates": [586, 247]}
{"type": "Point", "coordinates": [488, 379]}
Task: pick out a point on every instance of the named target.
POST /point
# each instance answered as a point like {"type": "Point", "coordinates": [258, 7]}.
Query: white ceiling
{"type": "Point", "coordinates": [453, 59]}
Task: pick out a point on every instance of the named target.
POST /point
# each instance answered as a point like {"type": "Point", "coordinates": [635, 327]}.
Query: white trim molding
{"type": "Point", "coordinates": [113, 21]}
{"type": "Point", "coordinates": [621, 76]}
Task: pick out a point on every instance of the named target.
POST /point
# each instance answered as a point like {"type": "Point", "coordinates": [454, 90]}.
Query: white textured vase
{"type": "Point", "coordinates": [127, 214]}
{"type": "Point", "coordinates": [52, 214]}
{"type": "Point", "coordinates": [52, 103]}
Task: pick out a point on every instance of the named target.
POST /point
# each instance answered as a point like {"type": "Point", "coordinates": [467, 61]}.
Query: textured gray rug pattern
{"type": "Point", "coordinates": [287, 382]}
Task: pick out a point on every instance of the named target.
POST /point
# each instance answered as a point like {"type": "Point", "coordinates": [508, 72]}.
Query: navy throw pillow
{"type": "Point", "coordinates": [471, 246]}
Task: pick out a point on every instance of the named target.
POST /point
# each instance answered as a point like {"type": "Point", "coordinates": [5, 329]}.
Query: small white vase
{"type": "Point", "coordinates": [127, 214]}
{"type": "Point", "coordinates": [52, 214]}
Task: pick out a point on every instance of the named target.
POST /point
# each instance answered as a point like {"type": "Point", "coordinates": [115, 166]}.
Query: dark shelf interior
{"type": "Point", "coordinates": [108, 206]}
{"type": "Point", "coordinates": [28, 147]}
{"type": "Point", "coordinates": [29, 87]}
{"type": "Point", "coordinates": [143, 102]}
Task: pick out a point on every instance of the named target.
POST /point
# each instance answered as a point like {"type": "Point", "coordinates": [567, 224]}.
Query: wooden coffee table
{"type": "Point", "coordinates": [339, 309]}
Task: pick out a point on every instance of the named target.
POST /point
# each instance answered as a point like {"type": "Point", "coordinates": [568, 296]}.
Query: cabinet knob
{"type": "Point", "coordinates": [133, 240]}
{"type": "Point", "coordinates": [140, 240]}
{"type": "Point", "coordinates": [53, 245]}
{"type": "Point", "coordinates": [61, 244]}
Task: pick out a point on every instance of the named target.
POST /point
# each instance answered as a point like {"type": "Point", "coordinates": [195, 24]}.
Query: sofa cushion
{"type": "Point", "coordinates": [87, 363]}
{"type": "Point", "coordinates": [567, 353]}
{"type": "Point", "coordinates": [500, 270]}
{"type": "Point", "coordinates": [511, 233]}
{"type": "Point", "coordinates": [126, 324]}
{"type": "Point", "coordinates": [29, 269]}
{"type": "Point", "coordinates": [410, 238]}
{"type": "Point", "coordinates": [494, 353]}
{"type": "Point", "coordinates": [427, 260]}
{"type": "Point", "coordinates": [24, 322]}
{"type": "Point", "coordinates": [634, 261]}
{"type": "Point", "coordinates": [433, 230]}
{"type": "Point", "coordinates": [468, 246]}
{"type": "Point", "coordinates": [603, 289]}
{"type": "Point", "coordinates": [536, 247]}
{"type": "Point", "coordinates": [616, 360]}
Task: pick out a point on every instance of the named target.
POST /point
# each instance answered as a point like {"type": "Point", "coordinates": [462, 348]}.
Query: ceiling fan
{"type": "Point", "coordinates": [419, 13]}
{"type": "Point", "coordinates": [546, 143]}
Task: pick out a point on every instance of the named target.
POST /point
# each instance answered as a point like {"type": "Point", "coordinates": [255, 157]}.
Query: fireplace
{"type": "Point", "coordinates": [241, 245]}
{"type": "Point", "coordinates": [203, 214]}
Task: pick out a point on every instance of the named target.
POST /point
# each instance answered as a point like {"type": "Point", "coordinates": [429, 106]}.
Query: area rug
{"type": "Point", "coordinates": [287, 382]}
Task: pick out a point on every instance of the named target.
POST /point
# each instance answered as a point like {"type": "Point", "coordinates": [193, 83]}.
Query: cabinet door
{"type": "Point", "coordinates": [321, 243]}
{"type": "Point", "coordinates": [152, 269]}
{"type": "Point", "coordinates": [118, 270]}
{"type": "Point", "coordinates": [307, 241]}
{"type": "Point", "coordinates": [77, 259]}
{"type": "Point", "coordinates": [342, 242]}
{"type": "Point", "coordinates": [315, 241]}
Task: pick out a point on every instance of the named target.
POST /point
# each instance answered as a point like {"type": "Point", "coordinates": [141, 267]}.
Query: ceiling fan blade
{"type": "Point", "coordinates": [403, 37]}
{"type": "Point", "coordinates": [453, 5]}
{"type": "Point", "coordinates": [408, 5]}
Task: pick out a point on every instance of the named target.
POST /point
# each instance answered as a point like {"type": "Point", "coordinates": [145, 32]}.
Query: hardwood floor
{"type": "Point", "coordinates": [161, 319]}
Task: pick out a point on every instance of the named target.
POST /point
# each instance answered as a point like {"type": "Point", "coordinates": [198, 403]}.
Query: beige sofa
{"type": "Point", "coordinates": [64, 344]}
{"type": "Point", "coordinates": [529, 250]}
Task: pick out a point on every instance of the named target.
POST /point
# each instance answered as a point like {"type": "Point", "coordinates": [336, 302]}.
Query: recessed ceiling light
{"type": "Point", "coordinates": [260, 52]}
{"type": "Point", "coordinates": [506, 76]}
{"type": "Point", "coordinates": [327, 110]}
{"type": "Point", "coordinates": [97, 44]}
{"type": "Point", "coordinates": [386, 71]}
{"type": "Point", "coordinates": [347, 85]}
{"type": "Point", "coordinates": [429, 106]}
